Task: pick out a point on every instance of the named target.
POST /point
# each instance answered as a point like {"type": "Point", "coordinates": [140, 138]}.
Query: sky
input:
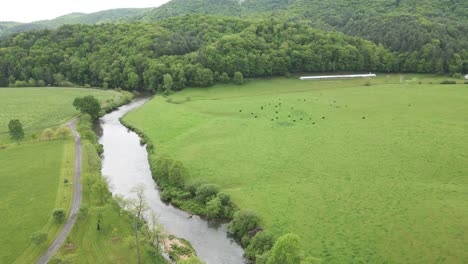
{"type": "Point", "coordinates": [33, 10]}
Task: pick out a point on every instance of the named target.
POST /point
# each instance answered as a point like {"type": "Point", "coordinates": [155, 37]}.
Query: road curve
{"type": "Point", "coordinates": [76, 200]}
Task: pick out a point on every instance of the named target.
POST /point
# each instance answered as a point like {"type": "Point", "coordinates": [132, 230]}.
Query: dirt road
{"type": "Point", "coordinates": [77, 193]}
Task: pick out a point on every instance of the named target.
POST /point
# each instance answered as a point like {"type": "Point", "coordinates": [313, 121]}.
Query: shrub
{"type": "Point", "coordinates": [457, 75]}
{"type": "Point", "coordinates": [224, 198]}
{"type": "Point", "coordinates": [59, 215]}
{"type": "Point", "coordinates": [162, 166]}
{"type": "Point", "coordinates": [242, 224]}
{"type": "Point", "coordinates": [39, 237]}
{"type": "Point", "coordinates": [238, 78]}
{"type": "Point", "coordinates": [206, 192]}
{"type": "Point", "coordinates": [224, 78]}
{"type": "Point", "coordinates": [286, 250]}
{"type": "Point", "coordinates": [48, 134]}
{"type": "Point", "coordinates": [63, 132]}
{"type": "Point", "coordinates": [466, 82]}
{"type": "Point", "coordinates": [214, 208]}
{"type": "Point", "coordinates": [83, 211]}
{"type": "Point", "coordinates": [177, 174]}
{"type": "Point", "coordinates": [448, 82]}
{"type": "Point", "coordinates": [261, 243]}
{"type": "Point", "coordinates": [192, 187]}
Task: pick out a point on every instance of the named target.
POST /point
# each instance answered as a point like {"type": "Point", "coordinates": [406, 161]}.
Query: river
{"type": "Point", "coordinates": [125, 165]}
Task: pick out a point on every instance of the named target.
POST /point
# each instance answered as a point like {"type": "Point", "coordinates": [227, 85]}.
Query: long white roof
{"type": "Point", "coordinates": [337, 76]}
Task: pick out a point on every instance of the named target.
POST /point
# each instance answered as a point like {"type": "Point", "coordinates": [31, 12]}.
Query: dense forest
{"type": "Point", "coordinates": [169, 47]}
{"type": "Point", "coordinates": [195, 50]}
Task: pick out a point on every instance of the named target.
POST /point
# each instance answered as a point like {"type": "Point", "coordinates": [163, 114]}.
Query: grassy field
{"type": "Point", "coordinates": [367, 171]}
{"type": "Point", "coordinates": [33, 173]}
{"type": "Point", "coordinates": [39, 108]}
{"type": "Point", "coordinates": [32, 186]}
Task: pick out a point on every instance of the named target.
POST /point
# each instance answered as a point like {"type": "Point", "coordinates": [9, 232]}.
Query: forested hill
{"type": "Point", "coordinates": [107, 16]}
{"type": "Point", "coordinates": [254, 37]}
{"type": "Point", "coordinates": [424, 28]}
{"type": "Point", "coordinates": [184, 7]}
{"type": "Point", "coordinates": [195, 50]}
{"type": "Point", "coordinates": [420, 28]}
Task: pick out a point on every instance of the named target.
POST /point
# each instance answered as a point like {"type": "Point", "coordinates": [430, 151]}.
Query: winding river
{"type": "Point", "coordinates": [125, 164]}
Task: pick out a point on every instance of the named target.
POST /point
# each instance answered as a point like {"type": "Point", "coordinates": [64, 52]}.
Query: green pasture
{"type": "Point", "coordinates": [365, 170]}
{"type": "Point", "coordinates": [40, 108]}
{"type": "Point", "coordinates": [32, 186]}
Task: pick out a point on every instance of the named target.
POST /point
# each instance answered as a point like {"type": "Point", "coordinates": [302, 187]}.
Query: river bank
{"type": "Point", "coordinates": [125, 164]}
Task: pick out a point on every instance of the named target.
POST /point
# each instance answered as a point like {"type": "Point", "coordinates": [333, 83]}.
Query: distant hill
{"type": "Point", "coordinates": [418, 28]}
{"type": "Point", "coordinates": [107, 16]}
{"type": "Point", "coordinates": [432, 34]}
{"type": "Point", "coordinates": [183, 7]}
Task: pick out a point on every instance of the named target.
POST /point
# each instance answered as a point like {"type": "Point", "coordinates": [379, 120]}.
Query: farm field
{"type": "Point", "coordinates": [32, 186]}
{"type": "Point", "coordinates": [40, 108]}
{"type": "Point", "coordinates": [363, 170]}
{"type": "Point", "coordinates": [33, 172]}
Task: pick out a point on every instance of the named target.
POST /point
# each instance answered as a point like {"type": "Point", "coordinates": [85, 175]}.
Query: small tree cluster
{"type": "Point", "coordinates": [203, 199]}
{"type": "Point", "coordinates": [169, 171]}
{"type": "Point", "coordinates": [260, 245]}
{"type": "Point", "coordinates": [242, 224]}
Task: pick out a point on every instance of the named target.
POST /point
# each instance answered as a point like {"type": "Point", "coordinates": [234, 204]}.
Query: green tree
{"type": "Point", "coordinates": [261, 243]}
{"type": "Point", "coordinates": [154, 232]}
{"type": "Point", "coordinates": [88, 180]}
{"type": "Point", "coordinates": [100, 190]}
{"type": "Point", "coordinates": [286, 250]}
{"type": "Point", "coordinates": [224, 78]}
{"type": "Point", "coordinates": [137, 208]}
{"type": "Point", "coordinates": [238, 78]}
{"type": "Point", "coordinates": [48, 134]}
{"type": "Point", "coordinates": [88, 105]}
{"type": "Point", "coordinates": [16, 130]}
{"type": "Point", "coordinates": [168, 83]}
{"type": "Point", "coordinates": [177, 174]}
{"type": "Point", "coordinates": [214, 208]}
{"type": "Point", "coordinates": [206, 192]}
{"type": "Point", "coordinates": [59, 215]}
{"type": "Point", "coordinates": [242, 223]}
{"type": "Point", "coordinates": [39, 237]}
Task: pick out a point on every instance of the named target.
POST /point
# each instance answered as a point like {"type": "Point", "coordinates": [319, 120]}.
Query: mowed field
{"type": "Point", "coordinates": [39, 108]}
{"type": "Point", "coordinates": [32, 174]}
{"type": "Point", "coordinates": [370, 171]}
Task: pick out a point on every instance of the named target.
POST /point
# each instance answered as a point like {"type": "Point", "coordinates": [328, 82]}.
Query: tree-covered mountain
{"type": "Point", "coordinates": [184, 7]}
{"type": "Point", "coordinates": [195, 50]}
{"type": "Point", "coordinates": [436, 30]}
{"type": "Point", "coordinates": [107, 16]}
{"type": "Point", "coordinates": [255, 37]}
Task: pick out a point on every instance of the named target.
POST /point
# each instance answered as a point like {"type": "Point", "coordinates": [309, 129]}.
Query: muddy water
{"type": "Point", "coordinates": [125, 164]}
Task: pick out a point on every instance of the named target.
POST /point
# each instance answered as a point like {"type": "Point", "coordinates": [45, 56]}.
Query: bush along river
{"type": "Point", "coordinates": [125, 164]}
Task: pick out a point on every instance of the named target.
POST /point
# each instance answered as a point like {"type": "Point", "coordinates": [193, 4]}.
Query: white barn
{"type": "Point", "coordinates": [305, 78]}
{"type": "Point", "coordinates": [466, 77]}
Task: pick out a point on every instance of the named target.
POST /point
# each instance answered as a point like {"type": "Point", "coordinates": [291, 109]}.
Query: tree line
{"type": "Point", "coordinates": [193, 50]}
